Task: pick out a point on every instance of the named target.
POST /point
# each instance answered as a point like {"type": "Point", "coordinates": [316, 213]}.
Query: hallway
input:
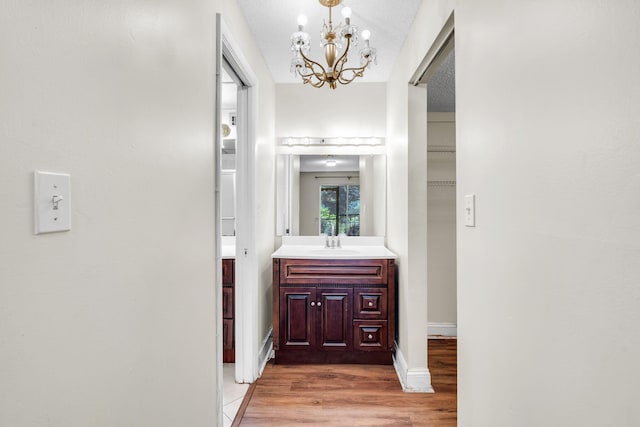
{"type": "Point", "coordinates": [115, 321]}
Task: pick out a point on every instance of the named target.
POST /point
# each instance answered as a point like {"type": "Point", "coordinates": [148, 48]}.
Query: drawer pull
{"type": "Point", "coordinates": [319, 303]}
{"type": "Point", "coordinates": [313, 303]}
{"type": "Point", "coordinates": [370, 337]}
{"type": "Point", "coordinates": [370, 304]}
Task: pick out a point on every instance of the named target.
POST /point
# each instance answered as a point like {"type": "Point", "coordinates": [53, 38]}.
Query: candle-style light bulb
{"type": "Point", "coordinates": [366, 35]}
{"type": "Point", "coordinates": [346, 14]}
{"type": "Point", "coordinates": [302, 21]}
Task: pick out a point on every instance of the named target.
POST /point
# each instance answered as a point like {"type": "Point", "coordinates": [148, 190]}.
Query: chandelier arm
{"type": "Point", "coordinates": [308, 79]}
{"type": "Point", "coordinates": [311, 65]}
{"type": "Point", "coordinates": [342, 60]}
{"type": "Point", "coordinates": [357, 72]}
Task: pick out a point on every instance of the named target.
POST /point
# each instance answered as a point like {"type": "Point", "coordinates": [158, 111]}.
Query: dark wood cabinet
{"type": "Point", "coordinates": [334, 311]}
{"type": "Point", "coordinates": [228, 309]}
{"type": "Point", "coordinates": [315, 319]}
{"type": "Point", "coordinates": [297, 318]}
{"type": "Point", "coordinates": [334, 326]}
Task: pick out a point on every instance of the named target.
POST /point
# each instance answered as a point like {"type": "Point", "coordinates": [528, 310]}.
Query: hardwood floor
{"type": "Point", "coordinates": [353, 395]}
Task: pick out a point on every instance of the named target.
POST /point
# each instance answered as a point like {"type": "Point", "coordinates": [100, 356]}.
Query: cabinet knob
{"type": "Point", "coordinates": [319, 303]}
{"type": "Point", "coordinates": [313, 303]}
{"type": "Point", "coordinates": [370, 304]}
{"type": "Point", "coordinates": [370, 337]}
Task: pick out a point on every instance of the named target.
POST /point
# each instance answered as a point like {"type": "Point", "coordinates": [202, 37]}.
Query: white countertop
{"type": "Point", "coordinates": [228, 247]}
{"type": "Point", "coordinates": [313, 247]}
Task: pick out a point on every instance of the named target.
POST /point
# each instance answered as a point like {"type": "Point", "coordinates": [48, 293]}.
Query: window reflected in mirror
{"type": "Point", "coordinates": [340, 209]}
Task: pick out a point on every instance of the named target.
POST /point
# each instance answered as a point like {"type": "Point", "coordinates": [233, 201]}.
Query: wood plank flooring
{"type": "Point", "coordinates": [354, 395]}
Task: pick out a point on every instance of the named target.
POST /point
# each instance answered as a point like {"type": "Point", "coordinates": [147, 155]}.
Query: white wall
{"type": "Point", "coordinates": [549, 144]}
{"type": "Point", "coordinates": [407, 204]}
{"type": "Point", "coordinates": [113, 322]}
{"type": "Point", "coordinates": [547, 101]}
{"type": "Point", "coordinates": [441, 225]}
{"type": "Point", "coordinates": [356, 110]}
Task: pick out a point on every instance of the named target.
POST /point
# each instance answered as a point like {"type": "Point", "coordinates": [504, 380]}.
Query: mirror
{"type": "Point", "coordinates": [332, 194]}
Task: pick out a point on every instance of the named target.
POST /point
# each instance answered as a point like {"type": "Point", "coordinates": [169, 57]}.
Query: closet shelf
{"type": "Point", "coordinates": [441, 183]}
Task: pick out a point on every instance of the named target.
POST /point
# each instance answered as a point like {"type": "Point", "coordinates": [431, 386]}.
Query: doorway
{"type": "Point", "coordinates": [437, 73]}
{"type": "Point", "coordinates": [441, 200]}
{"type": "Point", "coordinates": [235, 236]}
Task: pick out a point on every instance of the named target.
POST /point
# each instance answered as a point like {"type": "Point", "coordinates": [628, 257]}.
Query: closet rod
{"type": "Point", "coordinates": [333, 177]}
{"type": "Point", "coordinates": [440, 149]}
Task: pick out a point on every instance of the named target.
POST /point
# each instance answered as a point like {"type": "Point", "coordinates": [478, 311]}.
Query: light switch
{"type": "Point", "coordinates": [52, 202]}
{"type": "Point", "coordinates": [470, 210]}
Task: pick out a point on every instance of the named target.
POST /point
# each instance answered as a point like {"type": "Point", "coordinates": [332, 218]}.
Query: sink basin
{"type": "Point", "coordinates": [338, 252]}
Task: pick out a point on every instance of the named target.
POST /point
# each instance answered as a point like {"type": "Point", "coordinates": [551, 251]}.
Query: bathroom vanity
{"type": "Point", "coordinates": [334, 305]}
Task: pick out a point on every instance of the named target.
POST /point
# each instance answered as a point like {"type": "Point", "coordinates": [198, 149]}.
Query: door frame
{"type": "Point", "coordinates": [414, 376]}
{"type": "Point", "coordinates": [246, 277]}
{"type": "Point", "coordinates": [246, 284]}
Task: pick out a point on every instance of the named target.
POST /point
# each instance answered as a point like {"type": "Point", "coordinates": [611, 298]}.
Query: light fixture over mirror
{"type": "Point", "coordinates": [333, 38]}
{"type": "Point", "coordinates": [330, 162]}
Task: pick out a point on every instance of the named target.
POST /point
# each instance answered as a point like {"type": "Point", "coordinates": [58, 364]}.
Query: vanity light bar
{"type": "Point", "coordinates": [311, 141]}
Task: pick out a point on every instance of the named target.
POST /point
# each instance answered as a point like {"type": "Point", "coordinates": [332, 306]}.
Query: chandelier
{"type": "Point", "coordinates": [333, 38]}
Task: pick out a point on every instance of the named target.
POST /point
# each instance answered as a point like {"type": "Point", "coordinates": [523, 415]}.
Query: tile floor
{"type": "Point", "coordinates": [232, 393]}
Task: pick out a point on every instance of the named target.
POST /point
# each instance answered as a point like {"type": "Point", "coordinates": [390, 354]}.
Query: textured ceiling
{"type": "Point", "coordinates": [273, 21]}
{"type": "Point", "coordinates": [441, 88]}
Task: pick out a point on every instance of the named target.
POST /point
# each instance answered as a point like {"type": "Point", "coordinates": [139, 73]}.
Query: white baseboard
{"type": "Point", "coordinates": [265, 352]}
{"type": "Point", "coordinates": [442, 329]}
{"type": "Point", "coordinates": [416, 380]}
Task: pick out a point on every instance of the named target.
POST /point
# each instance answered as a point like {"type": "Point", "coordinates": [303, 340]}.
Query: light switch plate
{"type": "Point", "coordinates": [52, 202]}
{"type": "Point", "coordinates": [470, 210]}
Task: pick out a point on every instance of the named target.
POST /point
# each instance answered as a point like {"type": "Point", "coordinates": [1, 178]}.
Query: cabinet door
{"type": "Point", "coordinates": [297, 313]}
{"type": "Point", "coordinates": [334, 324]}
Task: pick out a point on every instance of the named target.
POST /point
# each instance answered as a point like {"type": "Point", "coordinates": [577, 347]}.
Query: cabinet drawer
{"type": "Point", "coordinates": [228, 267]}
{"type": "Point", "coordinates": [227, 302]}
{"type": "Point", "coordinates": [370, 303]}
{"type": "Point", "coordinates": [227, 334]}
{"type": "Point", "coordinates": [370, 335]}
{"type": "Point", "coordinates": [323, 271]}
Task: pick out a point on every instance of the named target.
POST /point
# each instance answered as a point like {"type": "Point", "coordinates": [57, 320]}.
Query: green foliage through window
{"type": "Point", "coordinates": [340, 209]}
